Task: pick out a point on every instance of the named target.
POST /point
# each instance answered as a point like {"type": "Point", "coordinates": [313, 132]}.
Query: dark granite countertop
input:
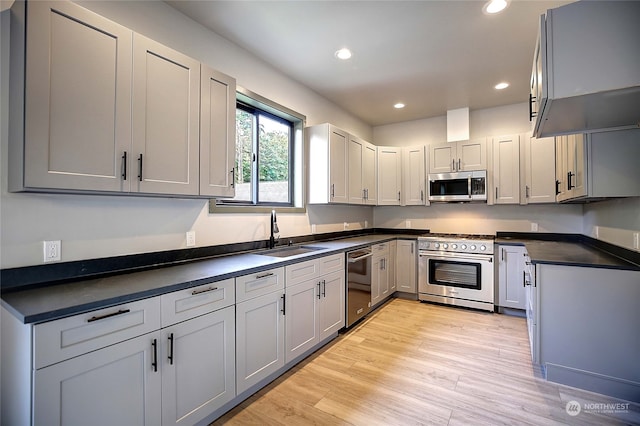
{"type": "Point", "coordinates": [46, 303]}
{"type": "Point", "coordinates": [571, 250]}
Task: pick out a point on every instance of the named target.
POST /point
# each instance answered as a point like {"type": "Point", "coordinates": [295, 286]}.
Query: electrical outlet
{"type": "Point", "coordinates": [52, 251]}
{"type": "Point", "coordinates": [313, 228]}
{"type": "Point", "coordinates": [407, 224]}
{"type": "Point", "coordinates": [636, 240]}
{"type": "Point", "coordinates": [191, 238]}
{"type": "Point", "coordinates": [346, 225]}
{"type": "Point", "coordinates": [534, 227]}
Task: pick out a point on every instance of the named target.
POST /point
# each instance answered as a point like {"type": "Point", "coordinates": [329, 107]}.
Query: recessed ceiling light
{"type": "Point", "coordinates": [494, 6]}
{"type": "Point", "coordinates": [343, 53]}
{"type": "Point", "coordinates": [501, 86]}
{"type": "Point", "coordinates": [399, 105]}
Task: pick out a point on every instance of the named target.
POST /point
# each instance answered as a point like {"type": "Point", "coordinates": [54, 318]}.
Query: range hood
{"type": "Point", "coordinates": [458, 125]}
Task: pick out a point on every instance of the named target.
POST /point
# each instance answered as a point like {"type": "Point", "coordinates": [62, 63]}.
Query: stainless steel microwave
{"type": "Point", "coordinates": [458, 187]}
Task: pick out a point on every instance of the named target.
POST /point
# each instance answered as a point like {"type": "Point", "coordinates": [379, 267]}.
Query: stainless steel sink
{"type": "Point", "coordinates": [289, 251]}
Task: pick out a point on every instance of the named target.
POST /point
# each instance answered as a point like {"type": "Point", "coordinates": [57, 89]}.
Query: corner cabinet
{"type": "Point", "coordinates": [579, 83]}
{"type": "Point", "coordinates": [328, 148]}
{"type": "Point", "coordinates": [217, 133]}
{"type": "Point", "coordinates": [598, 165]}
{"type": "Point", "coordinates": [96, 107]}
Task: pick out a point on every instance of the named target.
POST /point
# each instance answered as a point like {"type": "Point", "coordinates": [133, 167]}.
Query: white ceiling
{"type": "Point", "coordinates": [431, 55]}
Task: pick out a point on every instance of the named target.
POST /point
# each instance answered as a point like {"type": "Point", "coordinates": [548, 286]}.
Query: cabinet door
{"type": "Point", "coordinates": [301, 319]}
{"type": "Point", "coordinates": [369, 174]}
{"type": "Point", "coordinates": [331, 310]}
{"type": "Point", "coordinates": [389, 176]}
{"type": "Point", "coordinates": [356, 191]}
{"type": "Point", "coordinates": [376, 272]}
{"type": "Point", "coordinates": [577, 165]}
{"type": "Point", "coordinates": [413, 171]}
{"type": "Point", "coordinates": [539, 182]}
{"type": "Point", "coordinates": [561, 168]}
{"type": "Point", "coordinates": [166, 117]}
{"type": "Point", "coordinates": [506, 169]}
{"type": "Point", "coordinates": [472, 155]}
{"type": "Point", "coordinates": [393, 248]}
{"type": "Point", "coordinates": [217, 133]}
{"type": "Point", "coordinates": [406, 266]}
{"type": "Point", "coordinates": [117, 385]}
{"type": "Point", "coordinates": [198, 367]}
{"type": "Point", "coordinates": [77, 129]}
{"type": "Point", "coordinates": [259, 339]}
{"type": "Point", "coordinates": [442, 158]}
{"type": "Point", "coordinates": [338, 163]}
{"type": "Point", "coordinates": [511, 277]}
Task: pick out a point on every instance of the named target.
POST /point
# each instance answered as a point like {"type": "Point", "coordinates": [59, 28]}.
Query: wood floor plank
{"type": "Point", "coordinates": [424, 364]}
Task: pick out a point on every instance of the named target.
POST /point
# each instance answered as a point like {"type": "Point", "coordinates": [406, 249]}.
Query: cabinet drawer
{"type": "Point", "coordinates": [302, 271]}
{"type": "Point", "coordinates": [254, 285]}
{"type": "Point", "coordinates": [192, 302]}
{"type": "Point", "coordinates": [65, 338]}
{"type": "Point", "coordinates": [331, 263]}
{"type": "Point", "coordinates": [380, 248]}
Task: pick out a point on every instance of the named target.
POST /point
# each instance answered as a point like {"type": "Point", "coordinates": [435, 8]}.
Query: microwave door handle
{"type": "Point", "coordinates": [469, 186]}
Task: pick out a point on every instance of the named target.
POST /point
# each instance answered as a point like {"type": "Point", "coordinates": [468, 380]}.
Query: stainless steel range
{"type": "Point", "coordinates": [456, 270]}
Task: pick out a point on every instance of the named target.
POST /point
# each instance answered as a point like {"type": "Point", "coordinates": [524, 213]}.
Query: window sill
{"type": "Point", "coordinates": [225, 209]}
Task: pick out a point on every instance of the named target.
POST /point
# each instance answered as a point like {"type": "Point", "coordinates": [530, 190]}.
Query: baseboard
{"type": "Point", "coordinates": [594, 382]}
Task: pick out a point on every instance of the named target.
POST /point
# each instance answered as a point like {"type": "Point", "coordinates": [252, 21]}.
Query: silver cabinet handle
{"type": "Point", "coordinates": [194, 292]}
{"type": "Point", "coordinates": [113, 314]}
{"type": "Point", "coordinates": [526, 191]}
{"type": "Point", "coordinates": [496, 192]}
{"type": "Point", "coordinates": [268, 274]}
{"type": "Point", "coordinates": [469, 186]}
{"type": "Point", "coordinates": [170, 356]}
{"type": "Point", "coordinates": [284, 301]}
{"type": "Point", "coordinates": [458, 164]}
{"type": "Point", "coordinates": [333, 190]}
{"type": "Point", "coordinates": [421, 195]}
{"type": "Point", "coordinates": [453, 165]}
{"type": "Point", "coordinates": [318, 289]}
{"type": "Point", "coordinates": [233, 177]}
{"type": "Point", "coordinates": [154, 363]}
{"type": "Point", "coordinates": [398, 195]}
{"type": "Point", "coordinates": [324, 288]}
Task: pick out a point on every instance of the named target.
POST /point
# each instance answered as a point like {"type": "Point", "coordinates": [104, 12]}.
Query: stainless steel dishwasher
{"type": "Point", "coordinates": [358, 284]}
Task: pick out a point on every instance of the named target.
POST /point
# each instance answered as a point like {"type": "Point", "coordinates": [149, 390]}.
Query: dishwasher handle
{"type": "Point", "coordinates": [356, 259]}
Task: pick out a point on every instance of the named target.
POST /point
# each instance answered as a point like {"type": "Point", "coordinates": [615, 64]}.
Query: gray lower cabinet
{"type": "Point", "coordinates": [380, 273]}
{"type": "Point", "coordinates": [406, 266]}
{"type": "Point", "coordinates": [260, 315]}
{"type": "Point", "coordinates": [512, 277]}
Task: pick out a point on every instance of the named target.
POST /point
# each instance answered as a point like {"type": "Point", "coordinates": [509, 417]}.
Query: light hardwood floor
{"type": "Point", "coordinates": [414, 363]}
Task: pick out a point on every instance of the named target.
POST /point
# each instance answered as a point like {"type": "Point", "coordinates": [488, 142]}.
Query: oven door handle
{"type": "Point", "coordinates": [356, 259]}
{"type": "Point", "coordinates": [460, 256]}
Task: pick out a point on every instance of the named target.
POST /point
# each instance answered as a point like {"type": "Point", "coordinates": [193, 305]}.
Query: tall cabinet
{"type": "Point", "coordinates": [75, 68]}
{"type": "Point", "coordinates": [328, 148]}
{"type": "Point", "coordinates": [506, 169]}
{"type": "Point", "coordinates": [414, 192]}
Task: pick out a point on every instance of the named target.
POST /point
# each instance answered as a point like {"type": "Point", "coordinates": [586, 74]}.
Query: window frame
{"type": "Point", "coordinates": [249, 101]}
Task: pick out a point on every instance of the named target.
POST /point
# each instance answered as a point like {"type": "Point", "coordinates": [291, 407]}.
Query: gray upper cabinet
{"type": "Point", "coordinates": [328, 164]}
{"type": "Point", "coordinates": [166, 105]}
{"type": "Point", "coordinates": [586, 72]}
{"type": "Point", "coordinates": [77, 99]}
{"type": "Point", "coordinates": [217, 133]}
{"type": "Point", "coordinates": [97, 107]}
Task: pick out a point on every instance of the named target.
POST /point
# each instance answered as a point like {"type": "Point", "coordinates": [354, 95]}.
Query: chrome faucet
{"type": "Point", "coordinates": [274, 230]}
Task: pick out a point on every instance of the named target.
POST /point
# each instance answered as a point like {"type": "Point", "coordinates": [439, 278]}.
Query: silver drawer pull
{"type": "Point", "coordinates": [268, 274]}
{"type": "Point", "coordinates": [113, 314]}
{"type": "Point", "coordinates": [194, 292]}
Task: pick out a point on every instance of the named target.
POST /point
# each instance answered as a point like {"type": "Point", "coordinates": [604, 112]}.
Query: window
{"type": "Point", "coordinates": [263, 157]}
{"type": "Point", "coordinates": [268, 164]}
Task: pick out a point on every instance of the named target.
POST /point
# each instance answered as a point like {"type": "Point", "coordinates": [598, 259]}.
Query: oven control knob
{"type": "Point", "coordinates": [483, 247]}
{"type": "Point", "coordinates": [473, 247]}
{"type": "Point", "coordinates": [436, 245]}
{"type": "Point", "coordinates": [463, 247]}
{"type": "Point", "coordinates": [445, 246]}
{"type": "Point", "coordinates": [454, 246]}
